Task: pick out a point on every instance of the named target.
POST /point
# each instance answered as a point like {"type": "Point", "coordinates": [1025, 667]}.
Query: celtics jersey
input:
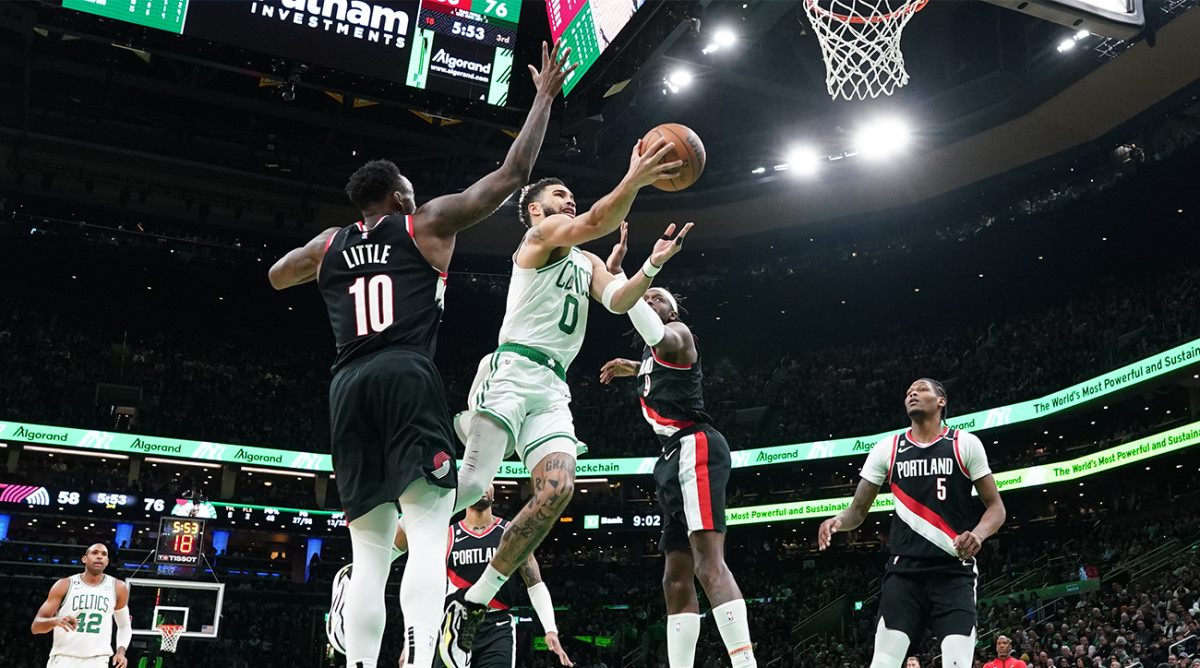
{"type": "Point", "coordinates": [92, 607]}
{"type": "Point", "coordinates": [547, 307]}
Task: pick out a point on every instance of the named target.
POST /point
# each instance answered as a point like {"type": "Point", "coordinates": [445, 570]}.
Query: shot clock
{"type": "Point", "coordinates": [180, 541]}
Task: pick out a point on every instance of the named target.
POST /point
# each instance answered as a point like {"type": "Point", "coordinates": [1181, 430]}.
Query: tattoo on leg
{"type": "Point", "coordinates": [553, 485]}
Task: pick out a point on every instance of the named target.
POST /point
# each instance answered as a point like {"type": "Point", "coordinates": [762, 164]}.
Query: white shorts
{"type": "Point", "coordinates": [529, 400]}
{"type": "Point", "coordinates": [64, 661]}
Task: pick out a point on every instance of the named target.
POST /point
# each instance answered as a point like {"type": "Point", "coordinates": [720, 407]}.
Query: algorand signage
{"type": "Point", "coordinates": [1134, 452]}
{"type": "Point", "coordinates": [1127, 376]}
{"type": "Point", "coordinates": [353, 18]}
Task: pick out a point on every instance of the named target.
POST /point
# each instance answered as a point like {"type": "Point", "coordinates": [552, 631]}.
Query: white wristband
{"type": "Point", "coordinates": [649, 269]}
{"type": "Point", "coordinates": [611, 290]}
{"type": "Point", "coordinates": [539, 596]}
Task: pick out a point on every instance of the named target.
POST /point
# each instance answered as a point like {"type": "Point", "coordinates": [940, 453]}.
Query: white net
{"type": "Point", "coordinates": [170, 636]}
{"type": "Point", "coordinates": [860, 40]}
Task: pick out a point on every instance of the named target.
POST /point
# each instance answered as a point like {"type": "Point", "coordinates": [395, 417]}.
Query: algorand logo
{"type": "Point", "coordinates": [460, 64]}
{"type": "Point", "coordinates": [352, 18]}
{"type": "Point", "coordinates": [246, 456]}
{"type": "Point", "coordinates": [150, 446]}
{"type": "Point", "coordinates": [44, 436]}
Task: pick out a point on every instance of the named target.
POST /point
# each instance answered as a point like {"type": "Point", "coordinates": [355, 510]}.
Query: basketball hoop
{"type": "Point", "coordinates": [171, 633]}
{"type": "Point", "coordinates": [860, 41]}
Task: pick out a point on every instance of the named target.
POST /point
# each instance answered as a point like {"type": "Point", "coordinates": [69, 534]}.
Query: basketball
{"type": "Point", "coordinates": [688, 148]}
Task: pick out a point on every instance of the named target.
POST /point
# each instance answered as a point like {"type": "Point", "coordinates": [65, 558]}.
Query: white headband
{"type": "Point", "coordinates": [669, 297]}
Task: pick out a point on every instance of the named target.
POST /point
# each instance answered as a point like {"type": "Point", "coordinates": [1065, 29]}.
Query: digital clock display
{"type": "Point", "coordinates": [113, 499]}
{"type": "Point", "coordinates": [180, 541]}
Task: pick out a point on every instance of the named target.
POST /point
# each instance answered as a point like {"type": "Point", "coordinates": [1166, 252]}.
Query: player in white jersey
{"type": "Point", "coordinates": [80, 610]}
{"type": "Point", "coordinates": [519, 400]}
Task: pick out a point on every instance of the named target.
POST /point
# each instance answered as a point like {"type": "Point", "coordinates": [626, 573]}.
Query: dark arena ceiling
{"type": "Point", "coordinates": [109, 108]}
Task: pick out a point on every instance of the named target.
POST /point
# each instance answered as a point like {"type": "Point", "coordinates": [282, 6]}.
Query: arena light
{"type": "Point", "coordinates": [678, 79]}
{"type": "Point", "coordinates": [803, 160]}
{"type": "Point", "coordinates": [85, 453]}
{"type": "Point", "coordinates": [255, 469]}
{"type": "Point", "coordinates": [883, 138]}
{"type": "Point", "coordinates": [181, 462]}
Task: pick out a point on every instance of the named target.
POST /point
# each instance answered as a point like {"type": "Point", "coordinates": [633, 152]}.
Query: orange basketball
{"type": "Point", "coordinates": [688, 148]}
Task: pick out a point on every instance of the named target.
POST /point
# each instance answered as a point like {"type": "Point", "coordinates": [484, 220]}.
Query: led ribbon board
{"type": "Point", "coordinates": [1175, 359]}
{"type": "Point", "coordinates": [1108, 459]}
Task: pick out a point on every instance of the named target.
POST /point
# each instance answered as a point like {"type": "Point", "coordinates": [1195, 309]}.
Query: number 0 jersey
{"type": "Point", "coordinates": [92, 607]}
{"type": "Point", "coordinates": [547, 308]}
{"type": "Point", "coordinates": [672, 394]}
{"type": "Point", "coordinates": [932, 483]}
{"type": "Point", "coordinates": [379, 290]}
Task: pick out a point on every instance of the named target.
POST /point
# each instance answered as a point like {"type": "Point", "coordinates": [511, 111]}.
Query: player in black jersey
{"type": "Point", "coordinates": [690, 477]}
{"type": "Point", "coordinates": [931, 575]}
{"type": "Point", "coordinates": [383, 280]}
{"type": "Point", "coordinates": [473, 541]}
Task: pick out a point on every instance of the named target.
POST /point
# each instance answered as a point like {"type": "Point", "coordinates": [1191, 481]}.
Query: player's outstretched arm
{"type": "Point", "coordinates": [968, 542]}
{"type": "Point", "coordinates": [46, 620]}
{"type": "Point", "coordinates": [850, 518]}
{"type": "Point", "coordinates": [619, 296]}
{"type": "Point", "coordinates": [607, 214]}
{"type": "Point", "coordinates": [448, 215]}
{"type": "Point", "coordinates": [124, 625]}
{"type": "Point", "coordinates": [543, 606]}
{"type": "Point", "coordinates": [301, 264]}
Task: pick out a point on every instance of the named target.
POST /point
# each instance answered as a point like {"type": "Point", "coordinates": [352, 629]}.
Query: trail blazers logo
{"type": "Point", "coordinates": [441, 465]}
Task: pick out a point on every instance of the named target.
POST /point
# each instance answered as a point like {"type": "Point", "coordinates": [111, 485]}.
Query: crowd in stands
{"type": "Point", "coordinates": [239, 390]}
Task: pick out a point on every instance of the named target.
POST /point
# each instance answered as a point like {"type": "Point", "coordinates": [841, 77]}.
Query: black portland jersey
{"type": "Point", "coordinates": [672, 394]}
{"type": "Point", "coordinates": [932, 487]}
{"type": "Point", "coordinates": [469, 555]}
{"type": "Point", "coordinates": [379, 290]}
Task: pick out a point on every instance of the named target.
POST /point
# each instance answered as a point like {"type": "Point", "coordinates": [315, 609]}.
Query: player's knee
{"type": "Point", "coordinates": [710, 570]}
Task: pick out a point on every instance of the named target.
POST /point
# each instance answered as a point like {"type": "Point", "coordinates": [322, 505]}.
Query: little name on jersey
{"type": "Point", "coordinates": [366, 253]}
{"type": "Point", "coordinates": [98, 602]}
{"type": "Point", "coordinates": [574, 278]}
{"type": "Point", "coordinates": [472, 556]}
{"type": "Point", "coordinates": [913, 468]}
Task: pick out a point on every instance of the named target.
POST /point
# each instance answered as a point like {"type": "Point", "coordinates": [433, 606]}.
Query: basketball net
{"type": "Point", "coordinates": [171, 633]}
{"type": "Point", "coordinates": [860, 40]}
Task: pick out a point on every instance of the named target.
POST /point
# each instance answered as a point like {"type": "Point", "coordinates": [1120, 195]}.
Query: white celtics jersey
{"type": "Point", "coordinates": [92, 607]}
{"type": "Point", "coordinates": [548, 307]}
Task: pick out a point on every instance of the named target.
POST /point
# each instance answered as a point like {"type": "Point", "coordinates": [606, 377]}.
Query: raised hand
{"type": "Point", "coordinates": [646, 164]}
{"type": "Point", "coordinates": [617, 256]}
{"type": "Point", "coordinates": [549, 80]}
{"type": "Point", "coordinates": [668, 245]}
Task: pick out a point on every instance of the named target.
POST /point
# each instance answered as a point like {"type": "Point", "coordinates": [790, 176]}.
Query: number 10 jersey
{"type": "Point", "coordinates": [380, 291]}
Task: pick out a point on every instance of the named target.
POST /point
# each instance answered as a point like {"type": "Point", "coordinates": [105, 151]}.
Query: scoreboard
{"type": "Point", "coordinates": [465, 48]}
{"type": "Point", "coordinates": [180, 541]}
{"type": "Point", "coordinates": [168, 15]}
{"type": "Point", "coordinates": [588, 27]}
{"type": "Point", "coordinates": [462, 48]}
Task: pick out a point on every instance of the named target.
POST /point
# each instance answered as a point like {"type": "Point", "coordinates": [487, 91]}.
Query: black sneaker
{"type": "Point", "coordinates": [458, 629]}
